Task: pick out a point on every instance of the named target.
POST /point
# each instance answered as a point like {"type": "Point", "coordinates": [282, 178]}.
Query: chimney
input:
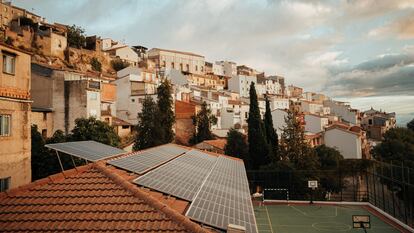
{"type": "Point", "coordinates": [231, 228]}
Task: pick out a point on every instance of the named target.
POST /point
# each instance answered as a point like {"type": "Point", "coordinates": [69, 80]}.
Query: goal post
{"type": "Point", "coordinates": [272, 194]}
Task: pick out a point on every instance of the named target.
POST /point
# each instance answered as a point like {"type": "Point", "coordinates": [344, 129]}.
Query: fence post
{"type": "Point", "coordinates": [392, 188]}
{"type": "Point", "coordinates": [404, 193]}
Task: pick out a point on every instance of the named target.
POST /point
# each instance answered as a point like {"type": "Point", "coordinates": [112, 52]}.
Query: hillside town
{"type": "Point", "coordinates": [53, 74]}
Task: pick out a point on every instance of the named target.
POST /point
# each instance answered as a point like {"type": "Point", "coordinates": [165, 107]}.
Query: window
{"type": "Point", "coordinates": [94, 96]}
{"type": "Point", "coordinates": [9, 62]}
{"type": "Point", "coordinates": [5, 125]}
{"type": "Point", "coordinates": [181, 66]}
{"type": "Point", "coordinates": [132, 100]}
{"type": "Point", "coordinates": [125, 126]}
{"type": "Point", "coordinates": [45, 116]}
{"type": "Point", "coordinates": [4, 184]}
{"type": "Point", "coordinates": [196, 68]}
{"type": "Point", "coordinates": [163, 64]}
{"type": "Point", "coordinates": [245, 115]}
{"type": "Point", "coordinates": [188, 67]}
{"type": "Point", "coordinates": [172, 65]}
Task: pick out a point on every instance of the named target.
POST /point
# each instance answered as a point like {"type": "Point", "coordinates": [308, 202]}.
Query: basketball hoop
{"type": "Point", "coordinates": [312, 184]}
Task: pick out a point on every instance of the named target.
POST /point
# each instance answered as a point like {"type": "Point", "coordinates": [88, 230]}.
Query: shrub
{"type": "Point", "coordinates": [96, 64]}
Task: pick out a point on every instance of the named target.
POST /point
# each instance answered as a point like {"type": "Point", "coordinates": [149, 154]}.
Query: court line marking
{"type": "Point", "coordinates": [316, 216]}
{"type": "Point", "coordinates": [268, 218]}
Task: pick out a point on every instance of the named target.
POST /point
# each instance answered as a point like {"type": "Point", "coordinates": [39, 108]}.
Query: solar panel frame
{"type": "Point", "coordinates": [141, 162]}
{"type": "Point", "coordinates": [88, 150]}
{"type": "Point", "coordinates": [224, 198]}
{"type": "Point", "coordinates": [182, 177]}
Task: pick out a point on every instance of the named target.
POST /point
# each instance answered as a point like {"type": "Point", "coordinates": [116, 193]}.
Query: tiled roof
{"type": "Point", "coordinates": [218, 143]}
{"type": "Point", "coordinates": [91, 198]}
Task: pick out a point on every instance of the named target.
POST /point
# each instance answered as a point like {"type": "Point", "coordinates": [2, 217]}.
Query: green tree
{"type": "Point", "coordinates": [203, 121]}
{"type": "Point", "coordinates": [397, 147]}
{"type": "Point", "coordinates": [294, 146]}
{"type": "Point", "coordinates": [148, 129]}
{"type": "Point", "coordinates": [96, 130]}
{"type": "Point", "coordinates": [410, 125]}
{"type": "Point", "coordinates": [96, 64]}
{"type": "Point", "coordinates": [76, 36]}
{"type": "Point", "coordinates": [117, 64]}
{"type": "Point", "coordinates": [39, 170]}
{"type": "Point", "coordinates": [236, 145]}
{"type": "Point", "coordinates": [166, 117]}
{"type": "Point", "coordinates": [258, 147]}
{"type": "Point", "coordinates": [329, 159]}
{"type": "Point", "coordinates": [271, 135]}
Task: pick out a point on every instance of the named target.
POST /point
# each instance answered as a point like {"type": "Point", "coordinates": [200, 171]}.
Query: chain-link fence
{"type": "Point", "coordinates": [386, 186]}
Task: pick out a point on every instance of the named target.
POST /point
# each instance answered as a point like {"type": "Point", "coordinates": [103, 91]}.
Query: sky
{"type": "Point", "coordinates": [361, 51]}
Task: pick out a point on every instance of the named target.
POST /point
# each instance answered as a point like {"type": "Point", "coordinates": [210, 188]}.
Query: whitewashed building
{"type": "Point", "coordinates": [315, 123]}
{"type": "Point", "coordinates": [343, 111]}
{"type": "Point", "coordinates": [278, 118]}
{"type": "Point", "coordinates": [133, 84]}
{"type": "Point", "coordinates": [241, 84]}
{"type": "Point", "coordinates": [346, 141]}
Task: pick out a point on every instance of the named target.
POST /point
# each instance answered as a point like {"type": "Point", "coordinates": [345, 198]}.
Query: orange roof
{"type": "Point", "coordinates": [119, 122]}
{"type": "Point", "coordinates": [218, 143]}
{"type": "Point", "coordinates": [92, 198]}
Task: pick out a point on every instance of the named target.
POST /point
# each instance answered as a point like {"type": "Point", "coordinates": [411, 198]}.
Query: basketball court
{"type": "Point", "coordinates": [306, 218]}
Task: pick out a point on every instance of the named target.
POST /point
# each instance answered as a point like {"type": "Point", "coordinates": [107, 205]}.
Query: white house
{"type": "Point", "coordinates": [241, 84]}
{"type": "Point", "coordinates": [311, 107]}
{"type": "Point", "coordinates": [279, 103]}
{"type": "Point", "coordinates": [343, 111]}
{"type": "Point", "coordinates": [346, 141]}
{"type": "Point", "coordinates": [315, 123]}
{"type": "Point", "coordinates": [122, 51]}
{"type": "Point", "coordinates": [278, 118]}
{"type": "Point", "coordinates": [268, 85]}
{"type": "Point", "coordinates": [133, 84]}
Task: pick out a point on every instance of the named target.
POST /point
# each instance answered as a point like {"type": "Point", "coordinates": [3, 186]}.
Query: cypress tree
{"type": "Point", "coordinates": [166, 116]}
{"type": "Point", "coordinates": [258, 148]}
{"type": "Point", "coordinates": [148, 129]}
{"type": "Point", "coordinates": [202, 121]}
{"type": "Point", "coordinates": [271, 135]}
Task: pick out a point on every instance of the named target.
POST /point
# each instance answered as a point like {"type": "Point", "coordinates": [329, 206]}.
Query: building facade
{"type": "Point", "coordinates": [183, 61]}
{"type": "Point", "coordinates": [15, 105]}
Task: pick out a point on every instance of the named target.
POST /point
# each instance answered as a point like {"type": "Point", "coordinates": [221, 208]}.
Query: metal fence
{"type": "Point", "coordinates": [386, 186]}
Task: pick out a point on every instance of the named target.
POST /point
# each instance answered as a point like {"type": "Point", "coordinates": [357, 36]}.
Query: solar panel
{"type": "Point", "coordinates": [224, 198]}
{"type": "Point", "coordinates": [181, 177]}
{"type": "Point", "coordinates": [142, 161]}
{"type": "Point", "coordinates": [89, 150]}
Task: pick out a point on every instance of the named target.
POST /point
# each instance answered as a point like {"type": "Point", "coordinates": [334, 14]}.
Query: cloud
{"type": "Point", "coordinates": [402, 27]}
{"type": "Point", "coordinates": [389, 74]}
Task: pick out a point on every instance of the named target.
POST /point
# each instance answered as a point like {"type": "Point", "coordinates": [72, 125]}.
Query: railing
{"type": "Point", "coordinates": [386, 186]}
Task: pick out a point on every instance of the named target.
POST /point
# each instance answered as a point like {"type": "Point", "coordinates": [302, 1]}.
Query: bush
{"type": "Point", "coordinates": [76, 36]}
{"type": "Point", "coordinates": [96, 64]}
{"type": "Point", "coordinates": [118, 64]}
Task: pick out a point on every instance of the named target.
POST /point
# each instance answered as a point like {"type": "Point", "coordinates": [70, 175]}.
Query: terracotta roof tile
{"type": "Point", "coordinates": [93, 198]}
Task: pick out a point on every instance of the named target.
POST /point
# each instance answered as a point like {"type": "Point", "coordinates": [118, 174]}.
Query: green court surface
{"type": "Point", "coordinates": [314, 218]}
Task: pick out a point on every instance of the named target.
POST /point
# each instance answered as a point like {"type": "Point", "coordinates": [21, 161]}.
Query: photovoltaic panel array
{"type": "Point", "coordinates": [143, 161]}
{"type": "Point", "coordinates": [89, 150]}
{"type": "Point", "coordinates": [224, 198]}
{"type": "Point", "coordinates": [181, 177]}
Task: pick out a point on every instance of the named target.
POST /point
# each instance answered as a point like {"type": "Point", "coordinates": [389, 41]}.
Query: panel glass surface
{"type": "Point", "coordinates": [143, 161]}
{"type": "Point", "coordinates": [224, 198]}
{"type": "Point", "coordinates": [89, 150]}
{"type": "Point", "coordinates": [181, 177]}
